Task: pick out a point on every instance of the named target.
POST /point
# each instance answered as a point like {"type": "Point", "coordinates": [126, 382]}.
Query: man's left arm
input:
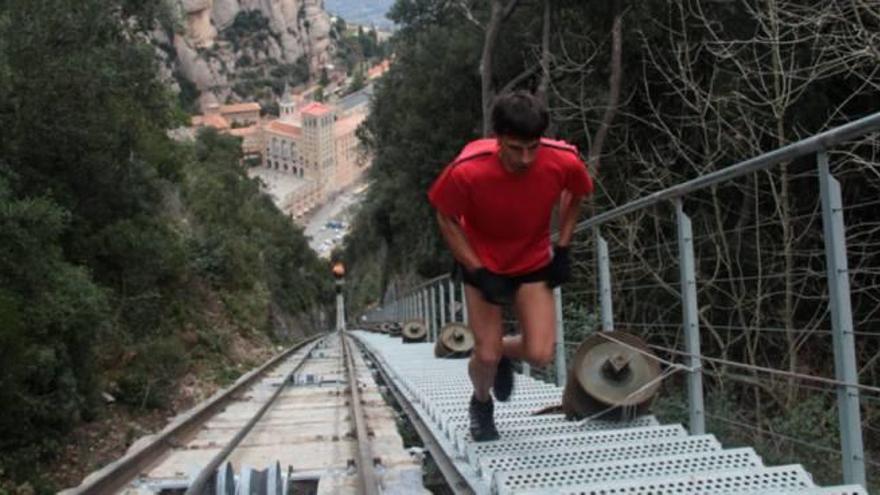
{"type": "Point", "coordinates": [578, 185]}
{"type": "Point", "coordinates": [569, 212]}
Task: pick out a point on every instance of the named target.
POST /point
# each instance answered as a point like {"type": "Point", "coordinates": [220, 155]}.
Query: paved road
{"type": "Point", "coordinates": [324, 239]}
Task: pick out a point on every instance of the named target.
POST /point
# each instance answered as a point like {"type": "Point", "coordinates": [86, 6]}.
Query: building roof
{"type": "Point", "coordinates": [378, 69]}
{"type": "Point", "coordinates": [240, 107]}
{"type": "Point", "coordinates": [244, 131]}
{"type": "Point", "coordinates": [316, 108]}
{"type": "Point", "coordinates": [210, 120]}
{"type": "Point", "coordinates": [285, 128]}
{"type": "Point", "coordinates": [361, 97]}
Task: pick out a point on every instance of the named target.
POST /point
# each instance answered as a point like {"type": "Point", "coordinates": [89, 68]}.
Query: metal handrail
{"type": "Point", "coordinates": [794, 150]}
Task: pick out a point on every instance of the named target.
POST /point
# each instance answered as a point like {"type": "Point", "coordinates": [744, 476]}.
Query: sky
{"type": "Point", "coordinates": [361, 11]}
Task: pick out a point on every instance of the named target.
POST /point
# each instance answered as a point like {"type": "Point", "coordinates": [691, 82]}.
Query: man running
{"type": "Point", "coordinates": [494, 204]}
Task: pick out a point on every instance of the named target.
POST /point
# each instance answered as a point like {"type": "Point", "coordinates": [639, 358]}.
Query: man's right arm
{"type": "Point", "coordinates": [457, 242]}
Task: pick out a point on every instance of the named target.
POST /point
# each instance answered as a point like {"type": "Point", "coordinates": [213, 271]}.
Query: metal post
{"type": "Point", "coordinates": [560, 338]}
{"type": "Point", "coordinates": [604, 269]}
{"type": "Point", "coordinates": [432, 313]}
{"type": "Point", "coordinates": [452, 316]}
{"type": "Point", "coordinates": [688, 277]}
{"type": "Point", "coordinates": [340, 307]}
{"type": "Point", "coordinates": [464, 313]}
{"type": "Point", "coordinates": [841, 326]}
{"type": "Point", "coordinates": [425, 306]}
{"type": "Point", "coordinates": [442, 304]}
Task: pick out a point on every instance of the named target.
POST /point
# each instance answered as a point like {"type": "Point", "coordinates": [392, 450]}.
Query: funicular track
{"type": "Point", "coordinates": [309, 421]}
{"type": "Point", "coordinates": [549, 454]}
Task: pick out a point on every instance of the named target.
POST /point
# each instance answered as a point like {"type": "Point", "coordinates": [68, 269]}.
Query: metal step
{"type": "Point", "coordinates": [832, 490]}
{"type": "Point", "coordinates": [775, 480]}
{"type": "Point", "coordinates": [509, 482]}
{"type": "Point", "coordinates": [548, 458]}
{"type": "Point", "coordinates": [519, 428]}
{"type": "Point", "coordinates": [571, 440]}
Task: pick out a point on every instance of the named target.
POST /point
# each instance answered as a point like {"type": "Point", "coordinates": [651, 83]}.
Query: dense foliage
{"type": "Point", "coordinates": [123, 254]}
{"type": "Point", "coordinates": [703, 85]}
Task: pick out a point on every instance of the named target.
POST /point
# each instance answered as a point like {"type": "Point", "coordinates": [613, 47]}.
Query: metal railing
{"type": "Point", "coordinates": [438, 300]}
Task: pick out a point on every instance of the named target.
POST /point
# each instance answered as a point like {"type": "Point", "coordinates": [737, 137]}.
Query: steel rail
{"type": "Point", "coordinates": [794, 150]}
{"type": "Point", "coordinates": [198, 486]}
{"type": "Point", "coordinates": [117, 474]}
{"type": "Point", "coordinates": [445, 464]}
{"type": "Point", "coordinates": [366, 471]}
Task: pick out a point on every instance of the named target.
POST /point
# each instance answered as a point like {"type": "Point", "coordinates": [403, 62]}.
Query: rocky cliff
{"type": "Point", "coordinates": [219, 50]}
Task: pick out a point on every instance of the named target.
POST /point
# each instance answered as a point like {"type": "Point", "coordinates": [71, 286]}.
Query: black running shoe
{"type": "Point", "coordinates": [503, 385]}
{"type": "Point", "coordinates": [482, 416]}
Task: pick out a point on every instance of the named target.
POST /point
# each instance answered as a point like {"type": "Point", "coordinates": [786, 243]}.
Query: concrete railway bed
{"type": "Point", "coordinates": [292, 426]}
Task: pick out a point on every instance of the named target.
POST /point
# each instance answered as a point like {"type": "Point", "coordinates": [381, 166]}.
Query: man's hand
{"type": "Point", "coordinates": [496, 289]}
{"type": "Point", "coordinates": [559, 270]}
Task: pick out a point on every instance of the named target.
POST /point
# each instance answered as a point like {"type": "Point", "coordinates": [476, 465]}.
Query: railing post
{"type": "Point", "coordinates": [604, 269]}
{"type": "Point", "coordinates": [560, 338]}
{"type": "Point", "coordinates": [442, 304]}
{"type": "Point", "coordinates": [425, 306]}
{"type": "Point", "coordinates": [687, 275]}
{"type": "Point", "coordinates": [452, 315]}
{"type": "Point", "coordinates": [432, 313]}
{"type": "Point", "coordinates": [464, 312]}
{"type": "Point", "coordinates": [841, 325]}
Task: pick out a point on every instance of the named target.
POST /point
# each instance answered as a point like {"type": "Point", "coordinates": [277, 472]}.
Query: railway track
{"type": "Point", "coordinates": [310, 421]}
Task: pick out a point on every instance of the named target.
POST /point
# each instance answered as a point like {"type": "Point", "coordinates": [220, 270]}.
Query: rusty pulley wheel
{"type": "Point", "coordinates": [394, 328]}
{"type": "Point", "coordinates": [414, 331]}
{"type": "Point", "coordinates": [455, 340]}
{"type": "Point", "coordinates": [607, 375]}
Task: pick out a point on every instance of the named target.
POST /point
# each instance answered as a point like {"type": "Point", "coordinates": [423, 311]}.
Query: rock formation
{"type": "Point", "coordinates": [234, 49]}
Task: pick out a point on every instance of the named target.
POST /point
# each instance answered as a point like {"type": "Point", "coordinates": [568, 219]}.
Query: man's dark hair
{"type": "Point", "coordinates": [519, 114]}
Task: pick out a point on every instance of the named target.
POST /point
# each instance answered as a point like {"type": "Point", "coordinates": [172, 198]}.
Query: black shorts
{"type": "Point", "coordinates": [540, 275]}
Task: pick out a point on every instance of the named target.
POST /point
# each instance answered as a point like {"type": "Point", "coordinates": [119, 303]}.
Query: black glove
{"type": "Point", "coordinates": [496, 289]}
{"type": "Point", "coordinates": [559, 269]}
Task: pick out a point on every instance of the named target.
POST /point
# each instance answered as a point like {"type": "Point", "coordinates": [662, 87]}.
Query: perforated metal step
{"type": "Point", "coordinates": [834, 490]}
{"type": "Point", "coordinates": [528, 427]}
{"type": "Point", "coordinates": [510, 482]}
{"type": "Point", "coordinates": [773, 480]}
{"type": "Point", "coordinates": [545, 459]}
{"type": "Point", "coordinates": [572, 440]}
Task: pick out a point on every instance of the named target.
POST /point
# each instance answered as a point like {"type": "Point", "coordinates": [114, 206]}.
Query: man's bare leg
{"type": "Point", "coordinates": [536, 312]}
{"type": "Point", "coordinates": [485, 321]}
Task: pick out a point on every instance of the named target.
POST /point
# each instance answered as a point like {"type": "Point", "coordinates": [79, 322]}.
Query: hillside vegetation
{"type": "Point", "coordinates": [126, 259]}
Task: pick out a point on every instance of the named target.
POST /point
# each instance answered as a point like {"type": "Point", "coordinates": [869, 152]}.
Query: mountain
{"type": "Point", "coordinates": [361, 11]}
{"type": "Point", "coordinates": [220, 50]}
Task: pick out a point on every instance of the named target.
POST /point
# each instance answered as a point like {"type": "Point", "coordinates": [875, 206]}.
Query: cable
{"type": "Point", "coordinates": [771, 371]}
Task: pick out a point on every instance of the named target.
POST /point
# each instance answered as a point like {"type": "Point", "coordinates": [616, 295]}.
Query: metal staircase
{"type": "Point", "coordinates": [549, 454]}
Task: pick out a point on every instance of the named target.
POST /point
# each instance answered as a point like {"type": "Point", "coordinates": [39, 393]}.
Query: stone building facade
{"type": "Point", "coordinates": [307, 155]}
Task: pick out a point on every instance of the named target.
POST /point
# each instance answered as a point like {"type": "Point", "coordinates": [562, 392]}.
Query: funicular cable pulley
{"type": "Point", "coordinates": [615, 379]}
{"type": "Point", "coordinates": [455, 340]}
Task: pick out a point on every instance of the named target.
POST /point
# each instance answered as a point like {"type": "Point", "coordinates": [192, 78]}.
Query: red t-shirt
{"type": "Point", "coordinates": [506, 217]}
